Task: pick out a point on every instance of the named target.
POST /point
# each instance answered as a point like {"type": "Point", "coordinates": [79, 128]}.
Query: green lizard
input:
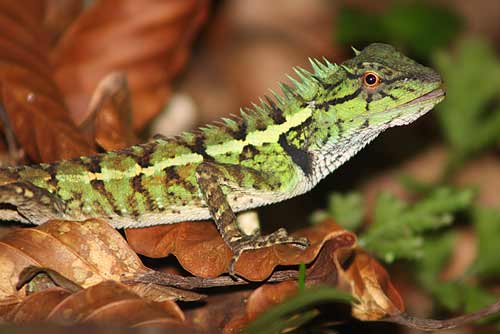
{"type": "Point", "coordinates": [279, 149]}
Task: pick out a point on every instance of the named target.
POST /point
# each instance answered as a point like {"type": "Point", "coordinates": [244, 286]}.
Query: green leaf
{"type": "Point", "coordinates": [347, 210]}
{"type": "Point", "coordinates": [284, 325]}
{"type": "Point", "coordinates": [278, 317]}
{"type": "Point", "coordinates": [476, 298]}
{"type": "Point", "coordinates": [302, 277]}
{"type": "Point", "coordinates": [435, 210]}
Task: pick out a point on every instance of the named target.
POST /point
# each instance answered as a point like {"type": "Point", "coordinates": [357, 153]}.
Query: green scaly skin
{"type": "Point", "coordinates": [278, 149]}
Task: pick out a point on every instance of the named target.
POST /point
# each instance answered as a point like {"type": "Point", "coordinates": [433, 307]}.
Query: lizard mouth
{"type": "Point", "coordinates": [433, 95]}
{"type": "Point", "coordinates": [418, 107]}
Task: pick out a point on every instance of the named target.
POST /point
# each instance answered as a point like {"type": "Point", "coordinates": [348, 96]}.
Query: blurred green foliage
{"type": "Point", "coordinates": [418, 27]}
{"type": "Point", "coordinates": [414, 231]}
{"type": "Point", "coordinates": [464, 293]}
{"type": "Point", "coordinates": [347, 209]}
{"type": "Point", "coordinates": [470, 114]}
{"type": "Point", "coordinates": [487, 229]}
{"type": "Point", "coordinates": [398, 227]}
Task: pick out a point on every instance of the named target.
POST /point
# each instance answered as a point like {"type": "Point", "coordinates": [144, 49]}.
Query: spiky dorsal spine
{"type": "Point", "coordinates": [304, 89]}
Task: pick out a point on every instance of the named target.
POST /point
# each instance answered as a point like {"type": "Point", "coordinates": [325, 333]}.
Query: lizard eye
{"type": "Point", "coordinates": [371, 79]}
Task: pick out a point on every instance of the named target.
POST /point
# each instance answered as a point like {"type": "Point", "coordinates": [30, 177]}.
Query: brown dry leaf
{"type": "Point", "coordinates": [86, 253]}
{"type": "Point", "coordinates": [219, 310]}
{"type": "Point", "coordinates": [324, 270]}
{"type": "Point", "coordinates": [148, 40]}
{"type": "Point", "coordinates": [257, 302]}
{"type": "Point", "coordinates": [36, 307]}
{"type": "Point", "coordinates": [200, 249]}
{"type": "Point", "coordinates": [32, 100]}
{"type": "Point", "coordinates": [370, 283]}
{"type": "Point", "coordinates": [338, 264]}
{"type": "Point", "coordinates": [197, 245]}
{"type": "Point", "coordinates": [232, 311]}
{"type": "Point", "coordinates": [110, 113]}
{"type": "Point", "coordinates": [105, 303]}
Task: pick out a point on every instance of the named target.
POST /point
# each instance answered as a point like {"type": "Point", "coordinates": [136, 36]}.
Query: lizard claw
{"type": "Point", "coordinates": [279, 237]}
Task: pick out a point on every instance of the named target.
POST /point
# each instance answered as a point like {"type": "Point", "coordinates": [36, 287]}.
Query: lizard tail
{"type": "Point", "coordinates": [26, 203]}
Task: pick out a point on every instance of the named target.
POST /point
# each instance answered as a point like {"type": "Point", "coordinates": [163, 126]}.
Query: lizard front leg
{"type": "Point", "coordinates": [210, 178]}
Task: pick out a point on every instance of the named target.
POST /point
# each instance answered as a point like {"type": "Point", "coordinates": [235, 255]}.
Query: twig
{"type": "Point", "coordinates": [432, 324]}
{"type": "Point", "coordinates": [189, 283]}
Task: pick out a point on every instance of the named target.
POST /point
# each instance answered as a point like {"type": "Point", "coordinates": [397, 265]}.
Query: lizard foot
{"type": "Point", "coordinates": [278, 237]}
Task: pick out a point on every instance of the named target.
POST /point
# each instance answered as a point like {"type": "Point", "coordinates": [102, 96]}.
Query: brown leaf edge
{"type": "Point", "coordinates": [327, 268]}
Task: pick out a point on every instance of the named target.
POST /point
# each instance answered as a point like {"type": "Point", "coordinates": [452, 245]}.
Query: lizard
{"type": "Point", "coordinates": [278, 149]}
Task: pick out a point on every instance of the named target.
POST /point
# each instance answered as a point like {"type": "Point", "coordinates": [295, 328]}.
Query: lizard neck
{"type": "Point", "coordinates": [334, 154]}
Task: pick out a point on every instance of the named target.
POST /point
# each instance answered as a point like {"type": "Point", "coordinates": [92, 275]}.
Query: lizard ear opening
{"type": "Point", "coordinates": [371, 79]}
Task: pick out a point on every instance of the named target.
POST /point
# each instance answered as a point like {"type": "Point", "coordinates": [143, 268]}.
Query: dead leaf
{"type": "Point", "coordinates": [364, 277]}
{"type": "Point", "coordinates": [85, 253]}
{"type": "Point", "coordinates": [30, 97]}
{"type": "Point", "coordinates": [233, 311]}
{"type": "Point", "coordinates": [160, 293]}
{"type": "Point", "coordinates": [36, 307]}
{"type": "Point", "coordinates": [107, 303]}
{"type": "Point", "coordinates": [110, 113]}
{"type": "Point", "coordinates": [200, 249]}
{"type": "Point", "coordinates": [197, 246]}
{"type": "Point", "coordinates": [370, 283]}
{"type": "Point", "coordinates": [338, 264]}
{"type": "Point", "coordinates": [148, 40]}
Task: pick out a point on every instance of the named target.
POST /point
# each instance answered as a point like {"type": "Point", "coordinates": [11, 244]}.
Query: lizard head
{"type": "Point", "coordinates": [377, 89]}
{"type": "Point", "coordinates": [390, 87]}
{"type": "Point", "coordinates": [351, 103]}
